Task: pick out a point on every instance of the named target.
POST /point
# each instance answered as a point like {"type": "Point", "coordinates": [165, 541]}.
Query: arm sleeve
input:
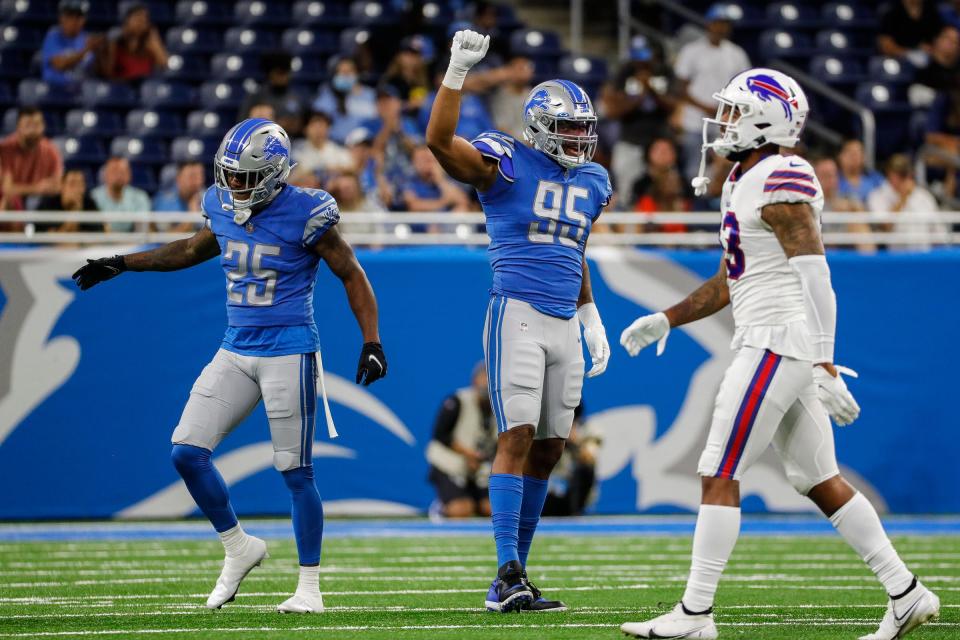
{"type": "Point", "coordinates": [446, 420]}
{"type": "Point", "coordinates": [820, 304]}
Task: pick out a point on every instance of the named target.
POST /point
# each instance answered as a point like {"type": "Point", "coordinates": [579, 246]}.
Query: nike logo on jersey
{"type": "Point", "coordinates": [795, 165]}
{"type": "Point", "coordinates": [374, 358]}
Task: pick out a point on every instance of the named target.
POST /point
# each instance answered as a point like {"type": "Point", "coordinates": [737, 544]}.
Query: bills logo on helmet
{"type": "Point", "coordinates": [767, 88]}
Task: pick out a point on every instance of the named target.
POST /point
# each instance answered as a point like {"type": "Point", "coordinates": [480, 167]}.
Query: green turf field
{"type": "Point", "coordinates": [433, 587]}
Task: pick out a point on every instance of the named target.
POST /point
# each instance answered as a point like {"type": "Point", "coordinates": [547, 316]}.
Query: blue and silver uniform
{"type": "Point", "coordinates": [539, 216]}
{"type": "Point", "coordinates": [271, 269]}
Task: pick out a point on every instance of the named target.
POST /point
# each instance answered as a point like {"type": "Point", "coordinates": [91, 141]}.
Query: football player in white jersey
{"type": "Point", "coordinates": [782, 383]}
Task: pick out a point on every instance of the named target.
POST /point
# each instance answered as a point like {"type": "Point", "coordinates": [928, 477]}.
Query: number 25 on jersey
{"type": "Point", "coordinates": [556, 204]}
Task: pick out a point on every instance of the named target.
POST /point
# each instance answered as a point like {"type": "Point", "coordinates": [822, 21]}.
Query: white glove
{"type": "Point", "coordinates": [646, 330]}
{"type": "Point", "coordinates": [468, 49]}
{"type": "Point", "coordinates": [596, 338]}
{"type": "Point", "coordinates": [836, 398]}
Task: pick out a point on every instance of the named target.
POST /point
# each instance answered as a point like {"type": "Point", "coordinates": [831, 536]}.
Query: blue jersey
{"type": "Point", "coordinates": [538, 218]}
{"type": "Point", "coordinates": [271, 269]}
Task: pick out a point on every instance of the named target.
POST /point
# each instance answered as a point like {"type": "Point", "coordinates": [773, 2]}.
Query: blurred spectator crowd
{"type": "Point", "coordinates": [119, 107]}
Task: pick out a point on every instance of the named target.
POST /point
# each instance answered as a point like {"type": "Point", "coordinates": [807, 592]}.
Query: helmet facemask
{"type": "Point", "coordinates": [727, 122]}
{"type": "Point", "coordinates": [547, 134]}
{"type": "Point", "coordinates": [246, 189]}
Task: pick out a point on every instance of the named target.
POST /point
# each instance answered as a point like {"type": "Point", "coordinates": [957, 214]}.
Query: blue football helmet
{"type": "Point", "coordinates": [553, 106]}
{"type": "Point", "coordinates": [251, 166]}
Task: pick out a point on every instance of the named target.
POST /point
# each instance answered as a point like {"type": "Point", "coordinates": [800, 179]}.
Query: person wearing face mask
{"type": "Point", "coordinates": [348, 102]}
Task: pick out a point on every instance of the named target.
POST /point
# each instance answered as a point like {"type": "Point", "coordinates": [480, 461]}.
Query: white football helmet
{"type": "Point", "coordinates": [757, 107]}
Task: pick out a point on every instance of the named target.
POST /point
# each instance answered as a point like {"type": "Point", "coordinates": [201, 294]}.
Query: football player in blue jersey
{"type": "Point", "coordinates": [270, 237]}
{"type": "Point", "coordinates": [540, 197]}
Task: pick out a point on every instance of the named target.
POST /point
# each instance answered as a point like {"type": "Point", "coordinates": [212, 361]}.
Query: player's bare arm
{"type": "Point", "coordinates": [173, 256]}
{"type": "Point", "coordinates": [339, 256]}
{"type": "Point", "coordinates": [461, 160]}
{"type": "Point", "coordinates": [795, 227]}
{"type": "Point", "coordinates": [710, 297]}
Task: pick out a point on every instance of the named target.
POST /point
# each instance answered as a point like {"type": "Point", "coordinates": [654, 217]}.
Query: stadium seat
{"type": "Point", "coordinates": [20, 38]}
{"type": "Point", "coordinates": [352, 39]}
{"type": "Point", "coordinates": [221, 95]}
{"type": "Point", "coordinates": [880, 96]}
{"type": "Point", "coordinates": [836, 69]}
{"type": "Point", "coordinates": [147, 122]}
{"type": "Point", "coordinates": [6, 96]}
{"type": "Point", "coordinates": [206, 124]}
{"type": "Point", "coordinates": [886, 69]}
{"type": "Point", "coordinates": [100, 93]}
{"type": "Point", "coordinates": [167, 176]}
{"type": "Point", "coordinates": [14, 64]}
{"type": "Point", "coordinates": [792, 15]}
{"type": "Point", "coordinates": [231, 66]}
{"type": "Point", "coordinates": [40, 94]}
{"type": "Point", "coordinates": [585, 71]}
{"type": "Point", "coordinates": [81, 149]}
{"type": "Point", "coordinates": [36, 12]}
{"type": "Point", "coordinates": [161, 12]}
{"type": "Point", "coordinates": [247, 40]}
{"type": "Point", "coordinates": [160, 94]}
{"type": "Point", "coordinates": [143, 177]}
{"type": "Point", "coordinates": [306, 42]}
{"type": "Point", "coordinates": [186, 68]}
{"type": "Point", "coordinates": [261, 13]}
{"type": "Point", "coordinates": [307, 70]}
{"type": "Point", "coordinates": [779, 42]}
{"type": "Point", "coordinates": [147, 150]}
{"type": "Point", "coordinates": [189, 39]}
{"type": "Point", "coordinates": [369, 13]}
{"type": "Point", "coordinates": [189, 148]}
{"type": "Point", "coordinates": [81, 122]}
{"type": "Point", "coordinates": [436, 14]}
{"type": "Point", "coordinates": [308, 13]}
{"type": "Point", "coordinates": [848, 15]}
{"type": "Point", "coordinates": [202, 12]}
{"type": "Point", "coordinates": [836, 42]}
{"type": "Point", "coordinates": [535, 43]}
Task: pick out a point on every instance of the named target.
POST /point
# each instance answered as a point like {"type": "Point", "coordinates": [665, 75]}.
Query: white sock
{"type": "Point", "coordinates": [234, 540]}
{"type": "Point", "coordinates": [309, 580]}
{"type": "Point", "coordinates": [858, 523]}
{"type": "Point", "coordinates": [713, 542]}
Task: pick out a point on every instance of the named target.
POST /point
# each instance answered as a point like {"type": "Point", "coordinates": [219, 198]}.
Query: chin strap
{"type": "Point", "coordinates": [701, 182]}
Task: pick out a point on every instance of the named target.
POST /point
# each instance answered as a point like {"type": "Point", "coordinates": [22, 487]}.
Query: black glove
{"type": "Point", "coordinates": [373, 364]}
{"type": "Point", "coordinates": [98, 270]}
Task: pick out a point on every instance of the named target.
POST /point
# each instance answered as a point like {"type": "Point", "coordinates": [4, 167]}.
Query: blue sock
{"type": "Point", "coordinates": [307, 514]}
{"type": "Point", "coordinates": [506, 495]}
{"type": "Point", "coordinates": [205, 484]}
{"type": "Point", "coordinates": [534, 495]}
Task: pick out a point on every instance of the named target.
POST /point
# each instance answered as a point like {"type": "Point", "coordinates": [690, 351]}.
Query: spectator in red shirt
{"type": "Point", "coordinates": [30, 164]}
{"type": "Point", "coordinates": [665, 196]}
{"type": "Point", "coordinates": [138, 50]}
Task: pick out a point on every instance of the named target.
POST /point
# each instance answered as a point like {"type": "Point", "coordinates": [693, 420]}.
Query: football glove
{"type": "Point", "coordinates": [644, 331]}
{"type": "Point", "coordinates": [468, 49]}
{"type": "Point", "coordinates": [99, 270]}
{"type": "Point", "coordinates": [836, 398]}
{"type": "Point", "coordinates": [373, 364]}
{"type": "Point", "coordinates": [596, 338]}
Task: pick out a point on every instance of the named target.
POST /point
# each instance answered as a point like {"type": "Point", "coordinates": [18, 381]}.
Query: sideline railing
{"type": "Point", "coordinates": [906, 229]}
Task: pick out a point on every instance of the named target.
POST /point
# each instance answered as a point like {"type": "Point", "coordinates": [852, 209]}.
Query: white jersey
{"type": "Point", "coordinates": [766, 294]}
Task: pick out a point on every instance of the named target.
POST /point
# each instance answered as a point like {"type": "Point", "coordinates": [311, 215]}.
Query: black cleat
{"type": "Point", "coordinates": [509, 591]}
{"type": "Point", "coordinates": [539, 603]}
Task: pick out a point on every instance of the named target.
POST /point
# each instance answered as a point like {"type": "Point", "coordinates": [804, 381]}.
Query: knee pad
{"type": "Point", "coordinates": [187, 458]}
{"type": "Point", "coordinates": [284, 461]}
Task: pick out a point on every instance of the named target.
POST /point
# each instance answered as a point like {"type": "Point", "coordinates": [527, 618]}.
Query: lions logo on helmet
{"type": "Point", "coordinates": [560, 104]}
{"type": "Point", "coordinates": [251, 166]}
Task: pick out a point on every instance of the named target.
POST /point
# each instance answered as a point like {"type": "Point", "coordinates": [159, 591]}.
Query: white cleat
{"type": "Point", "coordinates": [302, 603]}
{"type": "Point", "coordinates": [676, 624]}
{"type": "Point", "coordinates": [906, 613]}
{"type": "Point", "coordinates": [235, 569]}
